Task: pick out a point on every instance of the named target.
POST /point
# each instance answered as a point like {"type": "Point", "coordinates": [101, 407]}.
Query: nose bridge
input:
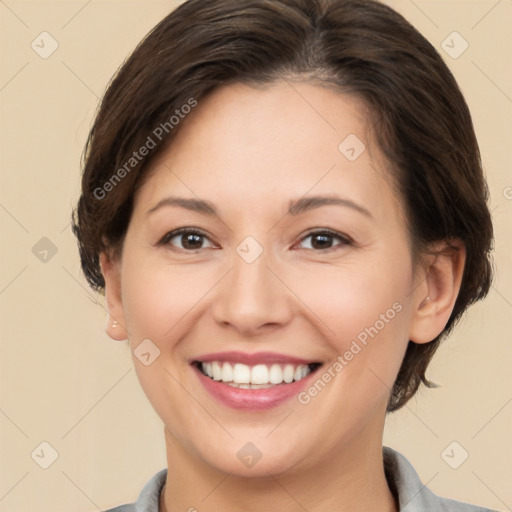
{"type": "Point", "coordinates": [251, 295]}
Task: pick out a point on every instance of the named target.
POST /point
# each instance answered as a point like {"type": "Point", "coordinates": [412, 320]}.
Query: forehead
{"type": "Point", "coordinates": [287, 139]}
{"type": "Point", "coordinates": [289, 119]}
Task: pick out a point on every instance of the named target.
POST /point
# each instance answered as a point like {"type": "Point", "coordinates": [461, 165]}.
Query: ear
{"type": "Point", "coordinates": [110, 268]}
{"type": "Point", "coordinates": [440, 278]}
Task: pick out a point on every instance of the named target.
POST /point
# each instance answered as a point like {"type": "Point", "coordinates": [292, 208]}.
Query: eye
{"type": "Point", "coordinates": [324, 240]}
{"type": "Point", "coordinates": [187, 239]}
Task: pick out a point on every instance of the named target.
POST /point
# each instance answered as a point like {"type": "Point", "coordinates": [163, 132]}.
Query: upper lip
{"type": "Point", "coordinates": [252, 359]}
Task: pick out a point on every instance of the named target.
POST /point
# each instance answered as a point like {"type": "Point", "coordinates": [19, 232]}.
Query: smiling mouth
{"type": "Point", "coordinates": [258, 376]}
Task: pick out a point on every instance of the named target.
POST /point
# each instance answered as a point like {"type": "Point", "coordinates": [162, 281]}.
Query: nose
{"type": "Point", "coordinates": [253, 298]}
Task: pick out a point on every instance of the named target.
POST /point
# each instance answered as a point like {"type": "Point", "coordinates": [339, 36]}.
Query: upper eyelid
{"type": "Point", "coordinates": [327, 231]}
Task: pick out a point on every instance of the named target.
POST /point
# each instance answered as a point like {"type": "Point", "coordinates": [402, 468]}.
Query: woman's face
{"type": "Point", "coordinates": [300, 262]}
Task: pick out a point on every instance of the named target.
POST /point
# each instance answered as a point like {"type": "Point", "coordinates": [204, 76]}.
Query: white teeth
{"type": "Point", "coordinates": [259, 374]}
{"type": "Point", "coordinates": [275, 374]}
{"type": "Point", "coordinates": [217, 372]}
{"type": "Point", "coordinates": [289, 370]}
{"type": "Point", "coordinates": [227, 372]}
{"type": "Point", "coordinates": [207, 368]}
{"type": "Point", "coordinates": [241, 374]}
{"type": "Point", "coordinates": [254, 377]}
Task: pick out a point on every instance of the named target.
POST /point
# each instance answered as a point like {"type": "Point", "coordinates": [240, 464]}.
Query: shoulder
{"type": "Point", "coordinates": [130, 507]}
{"type": "Point", "coordinates": [148, 498]}
{"type": "Point", "coordinates": [412, 495]}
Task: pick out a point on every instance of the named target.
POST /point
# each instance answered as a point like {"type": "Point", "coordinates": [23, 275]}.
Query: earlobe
{"type": "Point", "coordinates": [435, 298]}
{"type": "Point", "coordinates": [115, 327]}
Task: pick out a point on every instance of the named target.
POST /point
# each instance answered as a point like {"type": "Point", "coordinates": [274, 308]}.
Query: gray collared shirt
{"type": "Point", "coordinates": [403, 480]}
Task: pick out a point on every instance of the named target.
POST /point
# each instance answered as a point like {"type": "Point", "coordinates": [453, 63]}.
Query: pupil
{"type": "Point", "coordinates": [190, 240]}
{"type": "Point", "coordinates": [325, 241]}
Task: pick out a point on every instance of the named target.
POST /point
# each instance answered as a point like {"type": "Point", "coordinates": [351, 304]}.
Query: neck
{"type": "Point", "coordinates": [352, 480]}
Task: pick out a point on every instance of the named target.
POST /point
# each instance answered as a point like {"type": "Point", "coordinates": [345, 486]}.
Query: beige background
{"type": "Point", "coordinates": [63, 381]}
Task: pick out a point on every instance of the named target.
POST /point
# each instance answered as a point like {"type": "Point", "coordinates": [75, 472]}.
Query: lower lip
{"type": "Point", "coordinates": [252, 399]}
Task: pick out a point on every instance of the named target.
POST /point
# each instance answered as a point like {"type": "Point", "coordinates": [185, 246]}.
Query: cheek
{"type": "Point", "coordinates": [158, 303]}
{"type": "Point", "coordinates": [350, 297]}
{"type": "Point", "coordinates": [157, 297]}
{"type": "Point", "coordinates": [363, 313]}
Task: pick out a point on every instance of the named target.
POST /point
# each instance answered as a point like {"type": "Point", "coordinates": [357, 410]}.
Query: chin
{"type": "Point", "coordinates": [243, 458]}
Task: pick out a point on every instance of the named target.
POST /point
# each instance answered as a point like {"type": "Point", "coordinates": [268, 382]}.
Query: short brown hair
{"type": "Point", "coordinates": [361, 47]}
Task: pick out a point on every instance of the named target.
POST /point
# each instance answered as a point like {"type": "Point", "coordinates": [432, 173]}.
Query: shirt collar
{"type": "Point", "coordinates": [404, 482]}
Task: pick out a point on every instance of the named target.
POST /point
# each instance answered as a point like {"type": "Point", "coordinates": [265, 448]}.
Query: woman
{"type": "Point", "coordinates": [284, 205]}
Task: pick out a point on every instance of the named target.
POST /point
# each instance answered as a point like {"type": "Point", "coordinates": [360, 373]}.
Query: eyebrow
{"type": "Point", "coordinates": [295, 207]}
{"type": "Point", "coordinates": [309, 203]}
{"type": "Point", "coordinates": [196, 205]}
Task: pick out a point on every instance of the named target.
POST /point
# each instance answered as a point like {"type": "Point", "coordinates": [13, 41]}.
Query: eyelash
{"type": "Point", "coordinates": [344, 240]}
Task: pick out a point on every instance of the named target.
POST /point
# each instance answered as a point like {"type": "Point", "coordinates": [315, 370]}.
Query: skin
{"type": "Point", "coordinates": [250, 151]}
